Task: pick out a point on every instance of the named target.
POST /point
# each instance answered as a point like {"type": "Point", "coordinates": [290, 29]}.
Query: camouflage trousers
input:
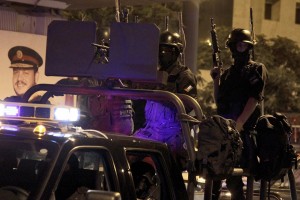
{"type": "Point", "coordinates": [162, 125]}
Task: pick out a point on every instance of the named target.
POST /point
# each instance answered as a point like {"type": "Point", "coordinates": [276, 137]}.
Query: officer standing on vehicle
{"type": "Point", "coordinates": [25, 63]}
{"type": "Point", "coordinates": [238, 92]}
{"type": "Point", "coordinates": [180, 77]}
{"type": "Point", "coordinates": [161, 121]}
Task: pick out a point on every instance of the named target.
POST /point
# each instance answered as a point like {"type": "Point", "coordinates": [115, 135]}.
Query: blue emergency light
{"type": "Point", "coordinates": [30, 111]}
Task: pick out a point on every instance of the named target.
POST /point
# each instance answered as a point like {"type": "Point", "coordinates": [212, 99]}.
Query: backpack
{"type": "Point", "coordinates": [219, 147]}
{"type": "Point", "coordinates": [276, 154]}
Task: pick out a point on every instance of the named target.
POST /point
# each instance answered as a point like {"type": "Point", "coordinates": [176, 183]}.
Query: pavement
{"type": "Point", "coordinates": [278, 188]}
{"type": "Point", "coordinates": [283, 188]}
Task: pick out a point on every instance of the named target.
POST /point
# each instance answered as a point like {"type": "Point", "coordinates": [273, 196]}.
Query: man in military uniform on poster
{"type": "Point", "coordinates": [25, 63]}
{"type": "Point", "coordinates": [238, 91]}
{"type": "Point", "coordinates": [161, 122]}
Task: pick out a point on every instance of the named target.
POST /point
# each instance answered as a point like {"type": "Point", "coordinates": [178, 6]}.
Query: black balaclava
{"type": "Point", "coordinates": [235, 37]}
{"type": "Point", "coordinates": [240, 58]}
{"type": "Point", "coordinates": [168, 55]}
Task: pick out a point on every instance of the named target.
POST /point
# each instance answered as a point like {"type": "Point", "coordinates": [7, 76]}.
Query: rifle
{"type": "Point", "coordinates": [215, 47]}
{"type": "Point", "coordinates": [252, 33]}
{"type": "Point", "coordinates": [167, 23]}
{"type": "Point", "coordinates": [117, 4]}
{"type": "Point", "coordinates": [182, 35]}
{"type": "Point", "coordinates": [262, 103]}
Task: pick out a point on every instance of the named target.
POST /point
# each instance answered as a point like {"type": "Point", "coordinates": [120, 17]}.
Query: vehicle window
{"type": "Point", "coordinates": [23, 164]}
{"type": "Point", "coordinates": [147, 174]}
{"type": "Point", "coordinates": [86, 169]}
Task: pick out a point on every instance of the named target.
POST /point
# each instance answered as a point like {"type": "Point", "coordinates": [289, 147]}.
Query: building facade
{"type": "Point", "coordinates": [27, 19]}
{"type": "Point", "coordinates": [270, 17]}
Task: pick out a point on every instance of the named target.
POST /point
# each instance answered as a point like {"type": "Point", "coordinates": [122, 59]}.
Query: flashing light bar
{"type": "Point", "coordinates": [31, 111]}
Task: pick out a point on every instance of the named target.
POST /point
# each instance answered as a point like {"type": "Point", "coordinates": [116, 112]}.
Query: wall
{"type": "Point", "coordinates": [283, 23]}
{"type": "Point", "coordinates": [10, 39]}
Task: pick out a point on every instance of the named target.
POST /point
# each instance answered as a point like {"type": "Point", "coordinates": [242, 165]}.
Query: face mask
{"type": "Point", "coordinates": [240, 54]}
{"type": "Point", "coordinates": [167, 56]}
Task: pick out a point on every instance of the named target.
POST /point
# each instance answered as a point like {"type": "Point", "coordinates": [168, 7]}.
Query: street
{"type": "Point", "coordinates": [279, 190]}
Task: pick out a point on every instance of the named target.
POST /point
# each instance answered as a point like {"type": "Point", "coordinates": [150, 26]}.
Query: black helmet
{"type": "Point", "coordinates": [239, 35]}
{"type": "Point", "coordinates": [171, 39]}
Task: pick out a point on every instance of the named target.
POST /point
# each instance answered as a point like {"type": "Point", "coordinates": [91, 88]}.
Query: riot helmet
{"type": "Point", "coordinates": [170, 47]}
{"type": "Point", "coordinates": [239, 35]}
{"type": "Point", "coordinates": [240, 44]}
{"type": "Point", "coordinates": [171, 39]}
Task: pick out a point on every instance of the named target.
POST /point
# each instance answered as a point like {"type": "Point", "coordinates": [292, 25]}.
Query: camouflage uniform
{"type": "Point", "coordinates": [161, 118]}
{"type": "Point", "coordinates": [113, 114]}
{"type": "Point", "coordinates": [106, 113]}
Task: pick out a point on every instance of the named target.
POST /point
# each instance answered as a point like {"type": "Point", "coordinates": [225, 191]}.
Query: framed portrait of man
{"type": "Point", "coordinates": [22, 61]}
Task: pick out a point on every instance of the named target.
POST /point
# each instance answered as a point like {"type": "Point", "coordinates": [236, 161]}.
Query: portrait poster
{"type": "Point", "coordinates": [9, 39]}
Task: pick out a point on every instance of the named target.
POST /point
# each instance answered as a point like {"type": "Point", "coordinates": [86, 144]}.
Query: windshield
{"type": "Point", "coordinates": [24, 163]}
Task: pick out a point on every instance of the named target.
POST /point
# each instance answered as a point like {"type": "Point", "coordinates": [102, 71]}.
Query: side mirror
{"type": "Point", "coordinates": [103, 195]}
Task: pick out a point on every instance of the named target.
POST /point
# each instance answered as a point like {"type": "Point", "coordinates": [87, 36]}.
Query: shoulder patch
{"type": "Point", "coordinates": [188, 89]}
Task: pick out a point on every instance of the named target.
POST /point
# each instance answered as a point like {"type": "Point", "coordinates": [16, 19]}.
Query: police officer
{"type": "Point", "coordinates": [105, 113]}
{"type": "Point", "coordinates": [24, 63]}
{"type": "Point", "coordinates": [161, 121]}
{"type": "Point", "coordinates": [238, 92]}
{"type": "Point", "coordinates": [180, 77]}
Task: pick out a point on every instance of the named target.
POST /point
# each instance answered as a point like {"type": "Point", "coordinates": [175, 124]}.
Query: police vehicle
{"type": "Point", "coordinates": [46, 154]}
{"type": "Point", "coordinates": [43, 156]}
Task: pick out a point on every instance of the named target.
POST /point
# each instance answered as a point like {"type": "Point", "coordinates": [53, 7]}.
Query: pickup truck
{"type": "Point", "coordinates": [43, 157]}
